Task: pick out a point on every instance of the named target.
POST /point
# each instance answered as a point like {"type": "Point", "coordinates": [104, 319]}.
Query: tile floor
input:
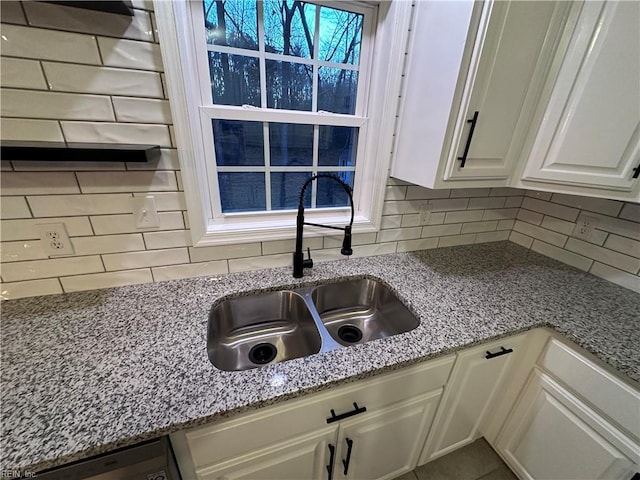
{"type": "Point", "coordinates": [476, 461]}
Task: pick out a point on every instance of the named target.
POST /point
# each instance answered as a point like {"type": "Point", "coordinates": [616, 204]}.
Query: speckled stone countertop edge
{"type": "Point", "coordinates": [443, 269]}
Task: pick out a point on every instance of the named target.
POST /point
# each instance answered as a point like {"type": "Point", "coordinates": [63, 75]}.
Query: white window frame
{"type": "Point", "coordinates": [182, 48]}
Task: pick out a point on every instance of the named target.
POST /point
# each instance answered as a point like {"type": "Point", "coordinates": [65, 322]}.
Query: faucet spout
{"type": "Point", "coordinates": [299, 262]}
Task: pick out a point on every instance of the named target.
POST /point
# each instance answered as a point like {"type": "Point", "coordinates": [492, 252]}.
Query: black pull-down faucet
{"type": "Point", "coordinates": [299, 262]}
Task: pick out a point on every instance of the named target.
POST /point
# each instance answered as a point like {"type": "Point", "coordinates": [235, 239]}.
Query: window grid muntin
{"type": "Point", "coordinates": [211, 111]}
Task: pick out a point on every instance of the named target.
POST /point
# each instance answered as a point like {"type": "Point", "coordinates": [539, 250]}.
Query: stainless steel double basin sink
{"type": "Point", "coordinates": [250, 331]}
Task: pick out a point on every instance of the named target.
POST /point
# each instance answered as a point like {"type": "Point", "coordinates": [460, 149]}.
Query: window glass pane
{"type": "Point", "coordinates": [330, 193]}
{"type": "Point", "coordinates": [285, 189]}
{"type": "Point", "coordinates": [232, 23]}
{"type": "Point", "coordinates": [242, 192]}
{"type": "Point", "coordinates": [337, 146]}
{"type": "Point", "coordinates": [235, 79]}
{"type": "Point", "coordinates": [289, 27]}
{"type": "Point", "coordinates": [340, 36]}
{"type": "Point", "coordinates": [291, 144]}
{"type": "Point", "coordinates": [289, 85]}
{"type": "Point", "coordinates": [238, 143]}
{"type": "Point", "coordinates": [337, 89]}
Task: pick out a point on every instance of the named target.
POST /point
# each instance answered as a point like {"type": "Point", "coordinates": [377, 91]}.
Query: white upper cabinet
{"type": "Point", "coordinates": [588, 139]}
{"type": "Point", "coordinates": [473, 79]}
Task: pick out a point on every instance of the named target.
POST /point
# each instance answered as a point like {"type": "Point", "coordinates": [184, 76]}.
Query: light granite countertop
{"type": "Point", "coordinates": [88, 372]}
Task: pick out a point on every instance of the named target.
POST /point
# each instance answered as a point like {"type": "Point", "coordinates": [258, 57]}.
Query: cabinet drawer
{"type": "Point", "coordinates": [229, 438]}
{"type": "Point", "coordinates": [619, 401]}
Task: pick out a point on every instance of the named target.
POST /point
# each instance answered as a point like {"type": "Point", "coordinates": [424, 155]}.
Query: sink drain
{"type": "Point", "coordinates": [350, 333]}
{"type": "Point", "coordinates": [262, 353]}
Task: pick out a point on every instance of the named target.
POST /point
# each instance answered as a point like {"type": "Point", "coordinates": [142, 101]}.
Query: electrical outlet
{"type": "Point", "coordinates": [424, 214]}
{"type": "Point", "coordinates": [584, 227]}
{"type": "Point", "coordinates": [145, 213]}
{"type": "Point", "coordinates": [54, 239]}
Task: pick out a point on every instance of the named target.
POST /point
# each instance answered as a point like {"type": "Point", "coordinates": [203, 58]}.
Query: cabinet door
{"type": "Point", "coordinates": [509, 62]}
{"type": "Point", "coordinates": [589, 136]}
{"type": "Point", "coordinates": [387, 444]}
{"type": "Point", "coordinates": [474, 384]}
{"type": "Point", "coordinates": [304, 457]}
{"type": "Point", "coordinates": [551, 435]}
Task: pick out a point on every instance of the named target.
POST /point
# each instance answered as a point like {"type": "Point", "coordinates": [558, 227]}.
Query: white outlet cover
{"type": "Point", "coordinates": [585, 225]}
{"type": "Point", "coordinates": [54, 239]}
{"type": "Point", "coordinates": [145, 214]}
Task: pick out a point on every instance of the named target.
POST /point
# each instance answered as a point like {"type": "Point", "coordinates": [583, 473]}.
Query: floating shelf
{"type": "Point", "coordinates": [122, 7]}
{"type": "Point", "coordinates": [77, 152]}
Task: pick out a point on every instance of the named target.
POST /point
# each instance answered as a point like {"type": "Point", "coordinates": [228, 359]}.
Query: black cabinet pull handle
{"type": "Point", "coordinates": [636, 174]}
{"type": "Point", "coordinates": [348, 459]}
{"type": "Point", "coordinates": [463, 158]}
{"type": "Point", "coordinates": [335, 418]}
{"type": "Point", "coordinates": [503, 351]}
{"type": "Point", "coordinates": [332, 451]}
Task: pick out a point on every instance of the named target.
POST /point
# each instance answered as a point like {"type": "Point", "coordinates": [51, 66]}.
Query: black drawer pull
{"type": "Point", "coordinates": [345, 462]}
{"type": "Point", "coordinates": [332, 451]}
{"type": "Point", "coordinates": [636, 173]}
{"type": "Point", "coordinates": [463, 158]}
{"type": "Point", "coordinates": [335, 418]}
{"type": "Point", "coordinates": [503, 351]}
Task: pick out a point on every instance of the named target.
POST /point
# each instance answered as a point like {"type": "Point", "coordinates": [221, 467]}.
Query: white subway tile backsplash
{"type": "Point", "coordinates": [14, 207]}
{"type": "Point", "coordinates": [456, 240]}
{"type": "Point", "coordinates": [117, 52]}
{"type": "Point", "coordinates": [63, 106]}
{"type": "Point", "coordinates": [413, 219]}
{"type": "Point", "coordinates": [190, 270]}
{"type": "Point", "coordinates": [11, 12]}
{"type": "Point", "coordinates": [42, 44]}
{"type": "Point", "coordinates": [166, 201]}
{"type": "Point", "coordinates": [506, 192]}
{"type": "Point", "coordinates": [623, 245]}
{"type": "Point", "coordinates": [401, 207]}
{"type": "Point", "coordinates": [562, 255]}
{"type": "Point", "coordinates": [553, 209]}
{"type": "Point", "coordinates": [30, 130]}
{"type": "Point", "coordinates": [476, 227]}
{"type": "Point", "coordinates": [140, 181]}
{"type": "Point", "coordinates": [114, 224]}
{"type": "Point", "coordinates": [505, 224]}
{"type": "Point", "coordinates": [134, 133]}
{"type": "Point", "coordinates": [21, 251]}
{"type": "Point", "coordinates": [540, 233]}
{"type": "Point", "coordinates": [395, 192]}
{"type": "Point", "coordinates": [373, 249]}
{"type": "Point", "coordinates": [258, 263]}
{"type": "Point", "coordinates": [392, 221]}
{"type": "Point", "coordinates": [546, 196]}
{"type": "Point", "coordinates": [334, 241]}
{"type": "Point", "coordinates": [142, 110]}
{"type": "Point", "coordinates": [528, 216]}
{"type": "Point", "coordinates": [500, 214]}
{"type": "Point", "coordinates": [28, 230]}
{"type": "Point", "coordinates": [440, 230]}
{"type": "Point", "coordinates": [60, 17]}
{"type": "Point", "coordinates": [171, 239]}
{"type": "Point", "coordinates": [56, 267]}
{"type": "Point", "coordinates": [604, 255]}
{"type": "Point", "coordinates": [283, 246]}
{"type": "Point", "coordinates": [38, 183]}
{"type": "Point", "coordinates": [30, 288]}
{"type": "Point", "coordinates": [616, 276]}
{"type": "Point", "coordinates": [148, 258]}
{"type": "Point", "coordinates": [498, 236]}
{"type": "Point", "coordinates": [486, 202]}
{"type": "Point", "coordinates": [106, 280]}
{"type": "Point", "coordinates": [513, 202]}
{"type": "Point", "coordinates": [557, 225]}
{"type": "Point", "coordinates": [421, 193]}
{"type": "Point", "coordinates": [520, 239]}
{"type": "Point", "coordinates": [205, 254]}
{"type": "Point", "coordinates": [631, 211]}
{"type": "Point", "coordinates": [399, 234]}
{"type": "Point", "coordinates": [100, 244]}
{"type": "Point", "coordinates": [469, 192]}
{"type": "Point", "coordinates": [419, 244]}
{"type": "Point", "coordinates": [450, 204]}
{"type": "Point", "coordinates": [463, 216]}
{"type": "Point", "coordinates": [21, 73]}
{"type": "Point", "coordinates": [598, 205]}
{"type": "Point", "coordinates": [65, 77]}
{"type": "Point", "coordinates": [72, 205]}
{"type": "Point", "coordinates": [616, 225]}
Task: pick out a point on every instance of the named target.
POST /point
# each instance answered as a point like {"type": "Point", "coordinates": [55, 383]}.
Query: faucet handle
{"type": "Point", "coordinates": [308, 262]}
